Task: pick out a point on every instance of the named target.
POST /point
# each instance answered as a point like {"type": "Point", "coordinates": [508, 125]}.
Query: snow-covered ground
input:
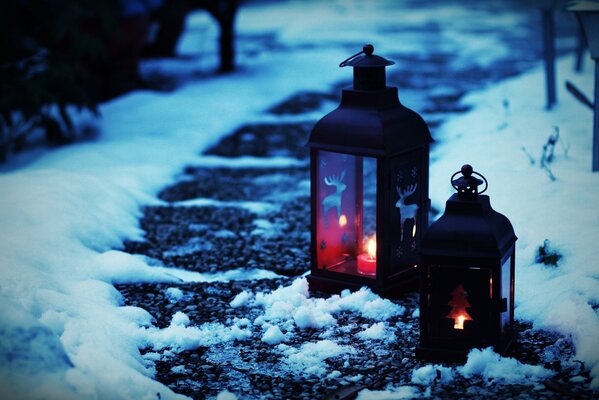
{"type": "Point", "coordinates": [63, 331]}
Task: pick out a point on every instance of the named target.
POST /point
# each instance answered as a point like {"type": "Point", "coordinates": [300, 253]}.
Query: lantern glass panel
{"type": "Point", "coordinates": [459, 301]}
{"type": "Point", "coordinates": [506, 294]}
{"type": "Point", "coordinates": [406, 194]}
{"type": "Point", "coordinates": [346, 213]}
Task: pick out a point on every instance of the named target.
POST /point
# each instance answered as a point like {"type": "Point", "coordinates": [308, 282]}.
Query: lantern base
{"type": "Point", "coordinates": [437, 354]}
{"type": "Point", "coordinates": [393, 289]}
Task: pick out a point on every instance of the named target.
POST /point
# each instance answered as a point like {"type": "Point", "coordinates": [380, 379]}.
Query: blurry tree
{"type": "Point", "coordinates": [49, 51]}
{"type": "Point", "coordinates": [171, 19]}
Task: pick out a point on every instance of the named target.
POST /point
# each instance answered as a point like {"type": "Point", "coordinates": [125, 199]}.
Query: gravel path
{"type": "Point", "coordinates": [262, 221]}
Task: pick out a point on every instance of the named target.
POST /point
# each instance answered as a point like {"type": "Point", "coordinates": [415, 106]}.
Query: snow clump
{"type": "Point", "coordinates": [241, 299]}
{"type": "Point", "coordinates": [273, 335]}
{"type": "Point", "coordinates": [377, 331]}
{"type": "Point", "coordinates": [174, 294]}
{"type": "Point", "coordinates": [180, 336]}
{"type": "Point", "coordinates": [291, 306]}
{"type": "Point", "coordinates": [497, 369]}
{"type": "Point", "coordinates": [430, 374]}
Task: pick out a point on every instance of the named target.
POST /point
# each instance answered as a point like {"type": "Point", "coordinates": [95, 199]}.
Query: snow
{"type": "Point", "coordinates": [174, 294]}
{"type": "Point", "coordinates": [273, 335]}
{"type": "Point", "coordinates": [505, 370]}
{"type": "Point", "coordinates": [226, 395]}
{"type": "Point", "coordinates": [292, 306]}
{"type": "Point", "coordinates": [377, 331]}
{"type": "Point", "coordinates": [430, 374]}
{"type": "Point", "coordinates": [180, 336]}
{"type": "Point", "coordinates": [64, 332]}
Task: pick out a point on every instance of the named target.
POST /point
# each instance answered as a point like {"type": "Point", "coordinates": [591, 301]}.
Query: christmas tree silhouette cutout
{"type": "Point", "coordinates": [459, 304]}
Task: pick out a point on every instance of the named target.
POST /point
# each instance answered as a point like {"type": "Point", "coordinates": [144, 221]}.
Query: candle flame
{"type": "Point", "coordinates": [459, 322]}
{"type": "Point", "coordinates": [414, 230]}
{"type": "Point", "coordinates": [371, 248]}
{"type": "Point", "coordinates": [342, 220]}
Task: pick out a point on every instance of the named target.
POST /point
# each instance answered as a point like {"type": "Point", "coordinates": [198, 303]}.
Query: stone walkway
{"type": "Point", "coordinates": [275, 236]}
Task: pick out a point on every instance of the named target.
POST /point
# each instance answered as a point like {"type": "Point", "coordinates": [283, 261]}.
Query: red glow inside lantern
{"type": "Point", "coordinates": [459, 303]}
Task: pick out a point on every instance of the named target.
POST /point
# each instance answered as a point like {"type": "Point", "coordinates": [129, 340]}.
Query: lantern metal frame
{"type": "Point", "coordinates": [371, 122]}
{"type": "Point", "coordinates": [474, 246]}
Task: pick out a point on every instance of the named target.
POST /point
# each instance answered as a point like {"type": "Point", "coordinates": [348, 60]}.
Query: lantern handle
{"type": "Point", "coordinates": [473, 172]}
{"type": "Point", "coordinates": [367, 49]}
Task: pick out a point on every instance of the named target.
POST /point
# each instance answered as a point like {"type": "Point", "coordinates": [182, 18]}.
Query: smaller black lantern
{"type": "Point", "coordinates": [467, 276]}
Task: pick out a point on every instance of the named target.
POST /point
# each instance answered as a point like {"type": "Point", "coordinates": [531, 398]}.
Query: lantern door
{"type": "Point", "coordinates": [345, 209]}
{"type": "Point", "coordinates": [408, 213]}
{"type": "Point", "coordinates": [459, 305]}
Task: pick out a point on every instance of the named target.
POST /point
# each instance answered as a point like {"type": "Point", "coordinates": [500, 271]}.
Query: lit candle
{"type": "Point", "coordinates": [459, 322]}
{"type": "Point", "coordinates": [367, 261]}
{"type": "Point", "coordinates": [342, 220]}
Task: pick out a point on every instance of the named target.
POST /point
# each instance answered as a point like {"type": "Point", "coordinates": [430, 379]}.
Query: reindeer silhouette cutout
{"type": "Point", "coordinates": [406, 211]}
{"type": "Point", "coordinates": [334, 199]}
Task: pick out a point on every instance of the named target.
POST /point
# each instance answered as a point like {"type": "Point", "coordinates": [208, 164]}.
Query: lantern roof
{"type": "Point", "coordinates": [469, 228]}
{"type": "Point", "coordinates": [370, 123]}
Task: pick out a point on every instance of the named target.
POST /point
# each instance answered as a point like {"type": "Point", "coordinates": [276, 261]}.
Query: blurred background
{"type": "Point", "coordinates": [58, 57]}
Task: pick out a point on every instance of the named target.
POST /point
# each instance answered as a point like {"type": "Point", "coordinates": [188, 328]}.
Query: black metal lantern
{"type": "Point", "coordinates": [466, 276]}
{"type": "Point", "coordinates": [369, 186]}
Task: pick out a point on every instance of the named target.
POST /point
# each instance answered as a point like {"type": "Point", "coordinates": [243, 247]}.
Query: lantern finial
{"type": "Point", "coordinates": [369, 69]}
{"type": "Point", "coordinates": [467, 185]}
{"type": "Point", "coordinates": [368, 49]}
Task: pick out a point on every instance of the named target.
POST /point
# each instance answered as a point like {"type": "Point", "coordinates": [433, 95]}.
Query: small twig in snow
{"type": "Point", "coordinates": [530, 158]}
{"type": "Point", "coordinates": [549, 147]}
{"type": "Point", "coordinates": [549, 152]}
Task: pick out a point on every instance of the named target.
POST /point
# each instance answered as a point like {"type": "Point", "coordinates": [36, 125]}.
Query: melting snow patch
{"type": "Point", "coordinates": [310, 357]}
{"type": "Point", "coordinates": [208, 161]}
{"type": "Point", "coordinates": [232, 275]}
{"type": "Point", "coordinates": [193, 245]}
{"type": "Point", "coordinates": [225, 234]}
{"type": "Point", "coordinates": [241, 299]}
{"type": "Point", "coordinates": [266, 229]}
{"type": "Point", "coordinates": [256, 207]}
{"type": "Point", "coordinates": [400, 392]}
{"type": "Point", "coordinates": [179, 369]}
